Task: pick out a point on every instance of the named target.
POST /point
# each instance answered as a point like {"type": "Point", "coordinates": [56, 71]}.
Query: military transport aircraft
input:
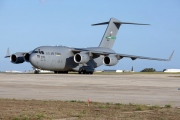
{"type": "Point", "coordinates": [61, 59]}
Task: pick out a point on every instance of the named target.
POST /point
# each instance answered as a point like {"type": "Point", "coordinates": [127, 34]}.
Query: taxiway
{"type": "Point", "coordinates": [150, 89]}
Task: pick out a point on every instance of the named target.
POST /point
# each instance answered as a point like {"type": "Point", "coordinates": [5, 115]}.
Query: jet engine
{"type": "Point", "coordinates": [81, 58]}
{"type": "Point", "coordinates": [110, 60]}
{"type": "Point", "coordinates": [26, 57]}
{"type": "Point", "coordinates": [17, 58]}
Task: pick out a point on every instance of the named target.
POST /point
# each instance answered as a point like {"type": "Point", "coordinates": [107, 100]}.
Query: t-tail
{"type": "Point", "coordinates": [111, 32]}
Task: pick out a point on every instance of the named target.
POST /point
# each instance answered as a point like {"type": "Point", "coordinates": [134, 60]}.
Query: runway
{"type": "Point", "coordinates": [149, 89]}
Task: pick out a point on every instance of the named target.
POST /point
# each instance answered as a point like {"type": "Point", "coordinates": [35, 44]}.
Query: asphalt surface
{"type": "Point", "coordinates": [150, 89]}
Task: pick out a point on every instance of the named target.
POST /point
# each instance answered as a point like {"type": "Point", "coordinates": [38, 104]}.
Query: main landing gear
{"type": "Point", "coordinates": [85, 72]}
{"type": "Point", "coordinates": [61, 72]}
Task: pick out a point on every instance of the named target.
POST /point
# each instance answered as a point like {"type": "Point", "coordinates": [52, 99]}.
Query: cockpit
{"type": "Point", "coordinates": [38, 51]}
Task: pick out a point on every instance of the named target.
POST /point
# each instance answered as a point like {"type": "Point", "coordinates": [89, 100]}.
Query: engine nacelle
{"type": "Point", "coordinates": [26, 57]}
{"type": "Point", "coordinates": [17, 58]}
{"type": "Point", "coordinates": [81, 58]}
{"type": "Point", "coordinates": [110, 60]}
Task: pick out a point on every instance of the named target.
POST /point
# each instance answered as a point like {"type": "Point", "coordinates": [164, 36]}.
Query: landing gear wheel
{"type": "Point", "coordinates": [84, 72]}
{"type": "Point", "coordinates": [91, 73]}
{"type": "Point", "coordinates": [36, 72]}
{"type": "Point", "coordinates": [61, 72]}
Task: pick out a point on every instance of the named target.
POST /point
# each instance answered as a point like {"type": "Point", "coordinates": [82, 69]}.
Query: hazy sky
{"type": "Point", "coordinates": [27, 24]}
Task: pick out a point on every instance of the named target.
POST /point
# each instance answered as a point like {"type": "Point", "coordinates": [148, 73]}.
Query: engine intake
{"type": "Point", "coordinates": [110, 60]}
{"type": "Point", "coordinates": [15, 58]}
{"type": "Point", "coordinates": [26, 57]}
{"type": "Point", "coordinates": [81, 58]}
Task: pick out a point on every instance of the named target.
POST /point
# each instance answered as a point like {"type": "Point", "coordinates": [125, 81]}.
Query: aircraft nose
{"type": "Point", "coordinates": [32, 60]}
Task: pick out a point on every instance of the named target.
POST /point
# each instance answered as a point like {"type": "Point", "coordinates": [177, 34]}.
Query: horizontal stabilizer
{"type": "Point", "coordinates": [104, 23]}
{"type": "Point", "coordinates": [131, 23]}
{"type": "Point", "coordinates": [109, 36]}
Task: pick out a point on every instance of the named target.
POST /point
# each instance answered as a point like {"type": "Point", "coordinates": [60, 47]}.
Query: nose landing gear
{"type": "Point", "coordinates": [36, 71]}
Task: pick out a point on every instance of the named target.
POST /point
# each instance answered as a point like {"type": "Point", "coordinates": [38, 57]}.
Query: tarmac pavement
{"type": "Point", "coordinates": [150, 89]}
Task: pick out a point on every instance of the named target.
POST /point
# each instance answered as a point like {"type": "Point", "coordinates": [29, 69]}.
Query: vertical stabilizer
{"type": "Point", "coordinates": [111, 32]}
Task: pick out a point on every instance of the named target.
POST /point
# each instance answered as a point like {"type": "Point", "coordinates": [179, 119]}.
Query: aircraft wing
{"type": "Point", "coordinates": [17, 53]}
{"type": "Point", "coordinates": [78, 50]}
{"type": "Point", "coordinates": [134, 57]}
{"type": "Point", "coordinates": [119, 56]}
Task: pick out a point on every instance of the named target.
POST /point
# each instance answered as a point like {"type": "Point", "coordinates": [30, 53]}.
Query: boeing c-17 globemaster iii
{"type": "Point", "coordinates": [61, 59]}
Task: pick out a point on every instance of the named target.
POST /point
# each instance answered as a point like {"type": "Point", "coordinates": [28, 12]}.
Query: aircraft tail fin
{"type": "Point", "coordinates": [111, 31]}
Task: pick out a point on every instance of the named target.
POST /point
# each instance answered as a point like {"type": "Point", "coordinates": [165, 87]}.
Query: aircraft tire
{"type": "Point", "coordinates": [61, 72]}
{"type": "Point", "coordinates": [65, 72]}
{"type": "Point", "coordinates": [91, 72]}
{"type": "Point", "coordinates": [36, 72]}
{"type": "Point", "coordinates": [84, 72]}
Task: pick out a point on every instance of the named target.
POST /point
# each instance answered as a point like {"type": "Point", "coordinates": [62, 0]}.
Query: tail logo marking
{"type": "Point", "coordinates": [111, 37]}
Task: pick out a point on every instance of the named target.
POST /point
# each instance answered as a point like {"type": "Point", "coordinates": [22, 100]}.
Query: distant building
{"type": "Point", "coordinates": [98, 71]}
{"type": "Point", "coordinates": [118, 71]}
{"type": "Point", "coordinates": [127, 71]}
{"type": "Point", "coordinates": [13, 71]}
{"type": "Point", "coordinates": [171, 70]}
{"type": "Point", "coordinates": [109, 70]}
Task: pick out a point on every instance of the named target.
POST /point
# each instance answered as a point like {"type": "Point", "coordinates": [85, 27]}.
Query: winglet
{"type": "Point", "coordinates": [170, 57]}
{"type": "Point", "coordinates": [7, 53]}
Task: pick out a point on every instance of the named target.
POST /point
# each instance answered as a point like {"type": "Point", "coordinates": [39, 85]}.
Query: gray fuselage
{"type": "Point", "coordinates": [61, 58]}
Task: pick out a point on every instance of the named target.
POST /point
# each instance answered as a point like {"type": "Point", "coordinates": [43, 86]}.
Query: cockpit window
{"type": "Point", "coordinates": [38, 51]}
{"type": "Point", "coordinates": [35, 51]}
